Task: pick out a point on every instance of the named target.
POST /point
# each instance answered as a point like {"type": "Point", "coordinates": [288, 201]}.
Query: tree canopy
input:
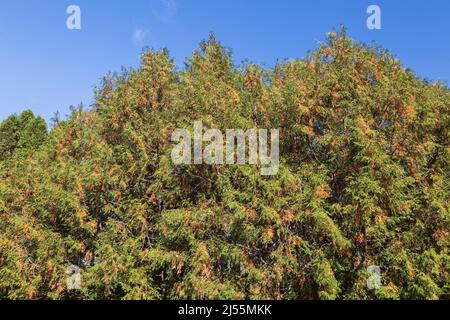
{"type": "Point", "coordinates": [363, 180]}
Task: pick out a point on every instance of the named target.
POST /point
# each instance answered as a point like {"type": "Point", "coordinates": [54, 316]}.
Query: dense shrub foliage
{"type": "Point", "coordinates": [363, 181]}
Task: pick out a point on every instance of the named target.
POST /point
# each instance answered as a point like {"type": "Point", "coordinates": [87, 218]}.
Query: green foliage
{"type": "Point", "coordinates": [21, 132]}
{"type": "Point", "coordinates": [363, 181]}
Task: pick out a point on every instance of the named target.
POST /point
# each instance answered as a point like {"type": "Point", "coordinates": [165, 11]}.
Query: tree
{"type": "Point", "coordinates": [363, 181]}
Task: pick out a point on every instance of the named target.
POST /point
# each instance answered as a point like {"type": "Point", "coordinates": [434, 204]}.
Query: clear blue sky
{"type": "Point", "coordinates": [46, 67]}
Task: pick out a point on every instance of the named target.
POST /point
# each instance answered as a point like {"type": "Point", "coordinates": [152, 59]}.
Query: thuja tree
{"type": "Point", "coordinates": [363, 181]}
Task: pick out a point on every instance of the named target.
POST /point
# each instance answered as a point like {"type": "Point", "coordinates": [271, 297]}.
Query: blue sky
{"type": "Point", "coordinates": [46, 67]}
